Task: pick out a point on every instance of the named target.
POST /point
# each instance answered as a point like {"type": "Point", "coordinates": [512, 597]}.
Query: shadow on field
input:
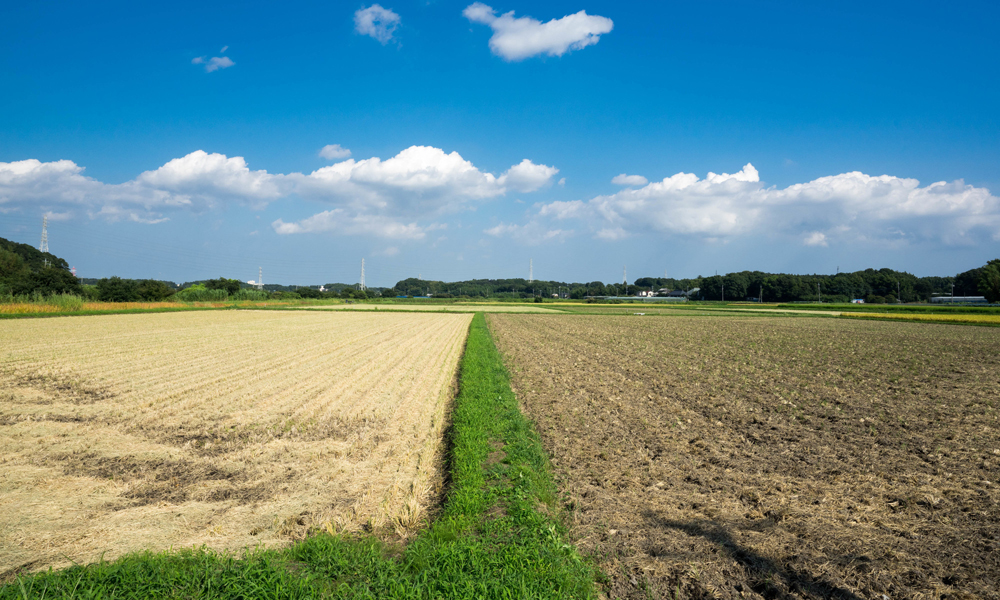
{"type": "Point", "coordinates": [766, 577]}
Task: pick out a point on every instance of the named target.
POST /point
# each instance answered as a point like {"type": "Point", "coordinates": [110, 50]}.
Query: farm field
{"type": "Point", "coordinates": [230, 429]}
{"type": "Point", "coordinates": [975, 319]}
{"type": "Point", "coordinates": [752, 457]}
{"type": "Point", "coordinates": [457, 308]}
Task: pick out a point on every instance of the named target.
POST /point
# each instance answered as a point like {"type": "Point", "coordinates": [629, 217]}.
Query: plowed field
{"type": "Point", "coordinates": [230, 429]}
{"type": "Point", "coordinates": [770, 457]}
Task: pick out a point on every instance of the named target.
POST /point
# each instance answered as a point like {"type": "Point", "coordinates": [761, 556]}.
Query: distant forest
{"type": "Point", "coordinates": [872, 285]}
{"type": "Point", "coordinates": [26, 271]}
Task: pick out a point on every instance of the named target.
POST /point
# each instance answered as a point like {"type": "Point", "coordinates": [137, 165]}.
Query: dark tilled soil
{"type": "Point", "coordinates": [770, 457]}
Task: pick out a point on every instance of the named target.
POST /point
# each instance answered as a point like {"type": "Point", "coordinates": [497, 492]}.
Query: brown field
{"type": "Point", "coordinates": [770, 457]}
{"type": "Point", "coordinates": [230, 429]}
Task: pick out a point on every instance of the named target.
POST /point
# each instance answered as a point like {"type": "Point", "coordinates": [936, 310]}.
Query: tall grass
{"type": "Point", "coordinates": [194, 294]}
{"type": "Point", "coordinates": [251, 295]}
{"type": "Point", "coordinates": [36, 302]}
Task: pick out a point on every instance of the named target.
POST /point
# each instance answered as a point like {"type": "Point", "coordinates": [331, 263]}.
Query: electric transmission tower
{"type": "Point", "coordinates": [624, 276]}
{"type": "Point", "coordinates": [362, 274]}
{"type": "Point", "coordinates": [44, 246]}
{"type": "Point", "coordinates": [531, 270]}
{"type": "Point", "coordinates": [260, 278]}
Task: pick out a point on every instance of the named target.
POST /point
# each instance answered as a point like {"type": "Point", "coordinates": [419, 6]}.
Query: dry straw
{"type": "Point", "coordinates": [231, 429]}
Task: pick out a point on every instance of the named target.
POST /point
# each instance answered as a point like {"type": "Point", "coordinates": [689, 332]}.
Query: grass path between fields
{"type": "Point", "coordinates": [499, 534]}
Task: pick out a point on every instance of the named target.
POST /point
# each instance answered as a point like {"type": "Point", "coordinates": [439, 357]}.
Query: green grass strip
{"type": "Point", "coordinates": [499, 535]}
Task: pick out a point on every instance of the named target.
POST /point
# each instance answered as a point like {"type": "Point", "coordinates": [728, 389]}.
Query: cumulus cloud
{"type": "Point", "coordinates": [829, 210]}
{"type": "Point", "coordinates": [334, 152]}
{"type": "Point", "coordinates": [528, 177]}
{"type": "Point", "coordinates": [388, 198]}
{"type": "Point", "coordinates": [376, 22]}
{"type": "Point", "coordinates": [629, 180]}
{"type": "Point", "coordinates": [418, 180]}
{"type": "Point", "coordinates": [523, 37]}
{"type": "Point", "coordinates": [211, 178]}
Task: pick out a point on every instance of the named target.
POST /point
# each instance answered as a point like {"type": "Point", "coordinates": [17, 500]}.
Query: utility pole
{"type": "Point", "coordinates": [898, 299]}
{"type": "Point", "coordinates": [819, 294]}
{"type": "Point", "coordinates": [723, 291]}
{"type": "Point", "coordinates": [362, 285]}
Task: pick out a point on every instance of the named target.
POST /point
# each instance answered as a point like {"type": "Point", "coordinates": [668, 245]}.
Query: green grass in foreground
{"type": "Point", "coordinates": [497, 536]}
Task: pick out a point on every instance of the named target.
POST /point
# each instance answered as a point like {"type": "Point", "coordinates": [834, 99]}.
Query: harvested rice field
{"type": "Point", "coordinates": [975, 319]}
{"type": "Point", "coordinates": [765, 457]}
{"type": "Point", "coordinates": [230, 429]}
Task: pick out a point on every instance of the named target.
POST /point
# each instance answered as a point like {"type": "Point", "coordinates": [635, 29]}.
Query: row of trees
{"type": "Point", "coordinates": [26, 271]}
{"type": "Point", "coordinates": [882, 285]}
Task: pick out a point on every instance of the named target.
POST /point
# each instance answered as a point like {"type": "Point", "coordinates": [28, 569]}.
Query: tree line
{"type": "Point", "coordinates": [25, 271]}
{"type": "Point", "coordinates": [871, 285]}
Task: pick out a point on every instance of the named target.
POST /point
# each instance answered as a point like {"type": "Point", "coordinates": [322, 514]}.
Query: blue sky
{"type": "Point", "coordinates": [870, 130]}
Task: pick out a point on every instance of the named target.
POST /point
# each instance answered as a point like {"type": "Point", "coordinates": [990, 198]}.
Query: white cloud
{"type": "Point", "coordinates": [211, 178]}
{"type": "Point", "coordinates": [334, 151]}
{"type": "Point", "coordinates": [837, 209]}
{"type": "Point", "coordinates": [59, 216]}
{"type": "Point", "coordinates": [397, 198]}
{"type": "Point", "coordinates": [524, 37]}
{"type": "Point", "coordinates": [611, 234]}
{"type": "Point", "coordinates": [420, 180]}
{"type": "Point", "coordinates": [816, 238]}
{"type": "Point", "coordinates": [377, 22]}
{"type": "Point", "coordinates": [630, 180]}
{"type": "Point", "coordinates": [213, 64]}
{"type": "Point", "coordinates": [340, 221]}
{"type": "Point", "coordinates": [528, 177]}
{"type": "Point", "coordinates": [531, 233]}
{"type": "Point", "coordinates": [562, 181]}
